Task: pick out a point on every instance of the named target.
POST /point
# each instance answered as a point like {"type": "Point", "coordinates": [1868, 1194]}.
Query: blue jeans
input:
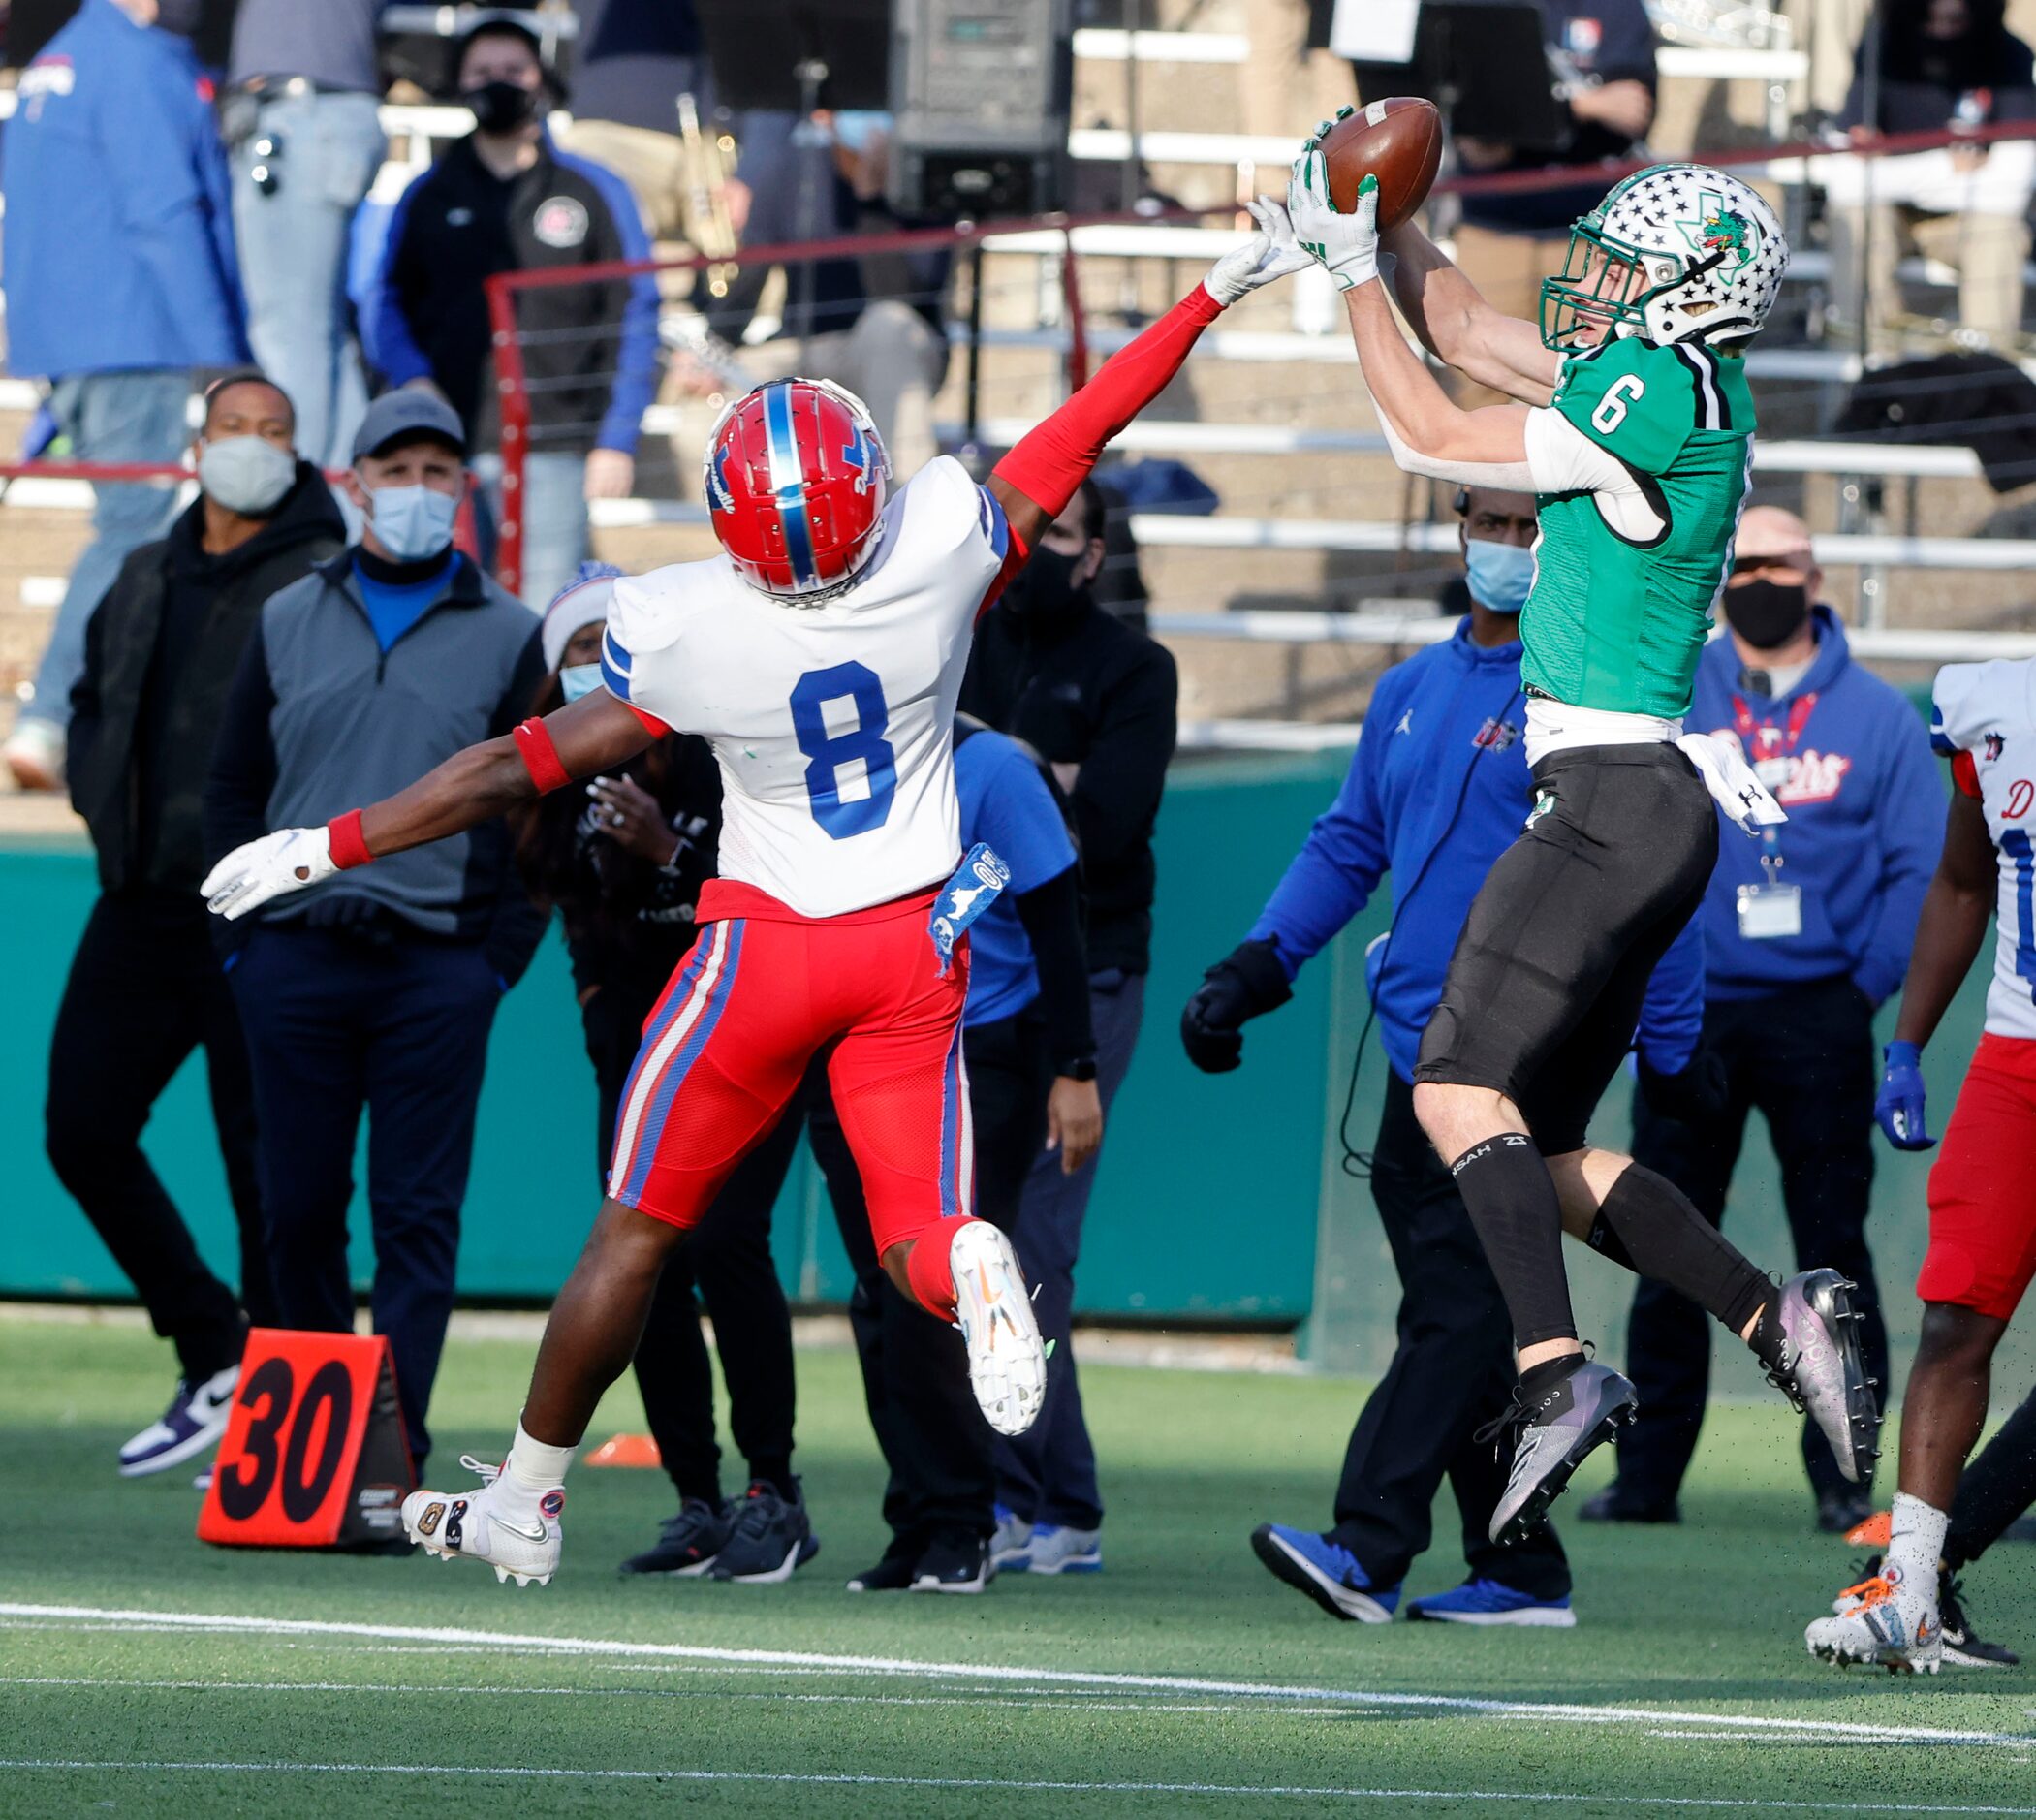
{"type": "Point", "coordinates": [338, 1022]}
{"type": "Point", "coordinates": [134, 415]}
{"type": "Point", "coordinates": [1049, 1474]}
{"type": "Point", "coordinates": [554, 519]}
{"type": "Point", "coordinates": [292, 244]}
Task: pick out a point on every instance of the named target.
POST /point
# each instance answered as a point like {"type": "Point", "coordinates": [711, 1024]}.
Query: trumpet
{"type": "Point", "coordinates": [707, 188]}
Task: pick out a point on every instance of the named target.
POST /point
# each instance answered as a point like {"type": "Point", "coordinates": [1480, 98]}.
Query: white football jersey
{"type": "Point", "coordinates": [1982, 718]}
{"type": "Point", "coordinates": [834, 724]}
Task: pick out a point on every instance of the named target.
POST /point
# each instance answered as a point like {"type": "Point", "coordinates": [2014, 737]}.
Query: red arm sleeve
{"type": "Point", "coordinates": [1966, 774]}
{"type": "Point", "coordinates": [1052, 460]}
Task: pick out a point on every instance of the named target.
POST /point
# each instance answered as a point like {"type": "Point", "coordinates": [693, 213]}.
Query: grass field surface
{"type": "Point", "coordinates": [143, 1673]}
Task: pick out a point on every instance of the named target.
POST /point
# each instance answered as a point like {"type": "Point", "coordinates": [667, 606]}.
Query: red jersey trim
{"type": "Point", "coordinates": [722, 899]}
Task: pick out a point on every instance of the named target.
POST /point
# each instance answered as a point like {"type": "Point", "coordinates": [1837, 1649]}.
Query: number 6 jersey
{"type": "Point", "coordinates": [833, 725]}
{"type": "Point", "coordinates": [1982, 718]}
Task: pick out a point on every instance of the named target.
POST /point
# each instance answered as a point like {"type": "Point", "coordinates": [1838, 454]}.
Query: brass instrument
{"type": "Point", "coordinates": [706, 186]}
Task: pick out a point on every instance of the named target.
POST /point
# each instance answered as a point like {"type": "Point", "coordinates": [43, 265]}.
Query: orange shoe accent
{"type": "Point", "coordinates": [1870, 1592]}
{"type": "Point", "coordinates": [1873, 1532]}
{"type": "Point", "coordinates": [625, 1450]}
{"type": "Point", "coordinates": [991, 1296]}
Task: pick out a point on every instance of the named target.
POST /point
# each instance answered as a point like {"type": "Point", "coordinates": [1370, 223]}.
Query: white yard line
{"type": "Point", "coordinates": [1012, 1785]}
{"type": "Point", "coordinates": [227, 1623]}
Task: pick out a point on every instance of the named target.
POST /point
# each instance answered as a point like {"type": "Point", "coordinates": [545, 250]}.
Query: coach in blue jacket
{"type": "Point", "coordinates": [1805, 933]}
{"type": "Point", "coordinates": [1437, 791]}
{"type": "Point", "coordinates": [120, 279]}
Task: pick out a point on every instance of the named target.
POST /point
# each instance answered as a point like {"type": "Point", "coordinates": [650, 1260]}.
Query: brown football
{"type": "Point", "coordinates": [1399, 141]}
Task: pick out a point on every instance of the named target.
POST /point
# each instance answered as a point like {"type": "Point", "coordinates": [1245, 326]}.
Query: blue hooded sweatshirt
{"type": "Point", "coordinates": [1866, 811]}
{"type": "Point", "coordinates": [119, 230]}
{"type": "Point", "coordinates": [1437, 790]}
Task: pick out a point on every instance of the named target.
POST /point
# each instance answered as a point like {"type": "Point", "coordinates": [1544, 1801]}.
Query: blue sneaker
{"type": "Point", "coordinates": [1488, 1602]}
{"type": "Point", "coordinates": [1326, 1570]}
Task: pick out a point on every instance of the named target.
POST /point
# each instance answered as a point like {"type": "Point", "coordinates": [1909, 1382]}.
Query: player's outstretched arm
{"type": "Point", "coordinates": [1036, 480]}
{"type": "Point", "coordinates": [1459, 326]}
{"type": "Point", "coordinates": [1956, 911]}
{"type": "Point", "coordinates": [589, 735]}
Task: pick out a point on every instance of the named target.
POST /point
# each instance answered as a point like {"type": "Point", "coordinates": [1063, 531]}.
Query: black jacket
{"type": "Point", "coordinates": [1094, 693]}
{"type": "Point", "coordinates": [112, 701]}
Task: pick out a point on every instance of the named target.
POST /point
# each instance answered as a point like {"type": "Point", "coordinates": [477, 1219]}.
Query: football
{"type": "Point", "coordinates": [1399, 141]}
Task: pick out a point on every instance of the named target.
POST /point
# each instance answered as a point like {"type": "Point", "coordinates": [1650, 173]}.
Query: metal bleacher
{"type": "Point", "coordinates": [1318, 566]}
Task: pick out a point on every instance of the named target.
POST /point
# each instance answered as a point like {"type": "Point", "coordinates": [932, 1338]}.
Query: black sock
{"type": "Point", "coordinates": [1660, 1233]}
{"type": "Point", "coordinates": [1510, 1199]}
{"type": "Point", "coordinates": [707, 1490]}
{"type": "Point", "coordinates": [1536, 1379]}
{"type": "Point", "coordinates": [775, 1471]}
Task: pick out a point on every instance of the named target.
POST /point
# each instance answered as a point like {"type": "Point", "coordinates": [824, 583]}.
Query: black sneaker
{"type": "Point", "coordinates": [1842, 1509]}
{"type": "Point", "coordinates": [1617, 1505]}
{"type": "Point", "coordinates": [1963, 1647]}
{"type": "Point", "coordinates": [688, 1543]}
{"type": "Point", "coordinates": [772, 1537]}
{"type": "Point", "coordinates": [1557, 1430]}
{"type": "Point", "coordinates": [953, 1563]}
{"type": "Point", "coordinates": [892, 1574]}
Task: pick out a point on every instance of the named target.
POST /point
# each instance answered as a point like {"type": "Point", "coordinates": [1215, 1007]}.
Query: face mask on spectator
{"type": "Point", "coordinates": [1501, 574]}
{"type": "Point", "coordinates": [245, 474]}
{"type": "Point", "coordinates": [1044, 590]}
{"type": "Point", "coordinates": [1766, 614]}
{"type": "Point", "coordinates": [413, 524]}
{"type": "Point", "coordinates": [501, 107]}
{"type": "Point", "coordinates": [855, 128]}
{"type": "Point", "coordinates": [577, 680]}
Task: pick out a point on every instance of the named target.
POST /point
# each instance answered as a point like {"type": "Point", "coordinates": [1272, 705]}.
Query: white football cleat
{"type": "Point", "coordinates": [1007, 1365]}
{"type": "Point", "coordinates": [1882, 1621]}
{"type": "Point", "coordinates": [469, 1523]}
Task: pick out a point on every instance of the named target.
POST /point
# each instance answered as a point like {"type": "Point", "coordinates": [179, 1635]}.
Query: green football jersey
{"type": "Point", "coordinates": [1619, 616]}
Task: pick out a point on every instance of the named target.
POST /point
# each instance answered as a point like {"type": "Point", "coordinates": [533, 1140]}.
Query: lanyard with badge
{"type": "Point", "coordinates": [1770, 909]}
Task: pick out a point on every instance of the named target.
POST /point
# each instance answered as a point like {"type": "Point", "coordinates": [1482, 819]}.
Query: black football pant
{"type": "Point", "coordinates": [1805, 1059]}
{"type": "Point", "coordinates": [726, 1262]}
{"type": "Point", "coordinates": [1995, 1489]}
{"type": "Point", "coordinates": [145, 989]}
{"type": "Point", "coordinates": [1451, 1373]}
{"type": "Point", "coordinates": [939, 1449]}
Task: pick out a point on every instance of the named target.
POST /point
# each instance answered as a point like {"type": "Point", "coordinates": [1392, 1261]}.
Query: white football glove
{"type": "Point", "coordinates": [1348, 245]}
{"type": "Point", "coordinates": [248, 877]}
{"type": "Point", "coordinates": [1270, 255]}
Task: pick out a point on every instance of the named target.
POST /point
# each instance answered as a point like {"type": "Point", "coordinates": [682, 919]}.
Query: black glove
{"type": "Point", "coordinates": [1246, 982]}
{"type": "Point", "coordinates": [1701, 1091]}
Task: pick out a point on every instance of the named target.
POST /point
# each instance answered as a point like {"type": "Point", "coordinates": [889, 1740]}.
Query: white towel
{"type": "Point", "coordinates": [1732, 782]}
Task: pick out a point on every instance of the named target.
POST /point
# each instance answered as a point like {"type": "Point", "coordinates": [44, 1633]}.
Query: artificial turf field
{"type": "Point", "coordinates": [143, 1673]}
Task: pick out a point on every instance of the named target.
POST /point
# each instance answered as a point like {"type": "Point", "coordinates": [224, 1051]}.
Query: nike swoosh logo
{"type": "Point", "coordinates": [991, 1296]}
{"type": "Point", "coordinates": [539, 1534]}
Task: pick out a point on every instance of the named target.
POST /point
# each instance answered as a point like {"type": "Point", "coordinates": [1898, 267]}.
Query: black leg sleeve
{"type": "Point", "coordinates": [1997, 1486]}
{"type": "Point", "coordinates": [1512, 1202]}
{"type": "Point", "coordinates": [1668, 1239]}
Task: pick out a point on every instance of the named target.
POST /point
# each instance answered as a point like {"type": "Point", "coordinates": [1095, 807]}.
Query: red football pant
{"type": "Point", "coordinates": [759, 996]}
{"type": "Point", "coordinates": [1982, 1197]}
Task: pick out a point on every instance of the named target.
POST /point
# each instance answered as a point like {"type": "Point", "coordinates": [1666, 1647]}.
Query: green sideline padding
{"type": "Point", "coordinates": [1219, 1198]}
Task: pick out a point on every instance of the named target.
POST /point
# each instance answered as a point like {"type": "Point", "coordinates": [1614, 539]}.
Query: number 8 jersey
{"type": "Point", "coordinates": [1982, 718]}
{"type": "Point", "coordinates": [834, 724]}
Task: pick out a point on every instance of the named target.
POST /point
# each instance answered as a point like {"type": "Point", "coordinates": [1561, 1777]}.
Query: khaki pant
{"type": "Point", "coordinates": [1987, 250]}
{"type": "Point", "coordinates": [892, 359]}
{"type": "Point", "coordinates": [1287, 87]}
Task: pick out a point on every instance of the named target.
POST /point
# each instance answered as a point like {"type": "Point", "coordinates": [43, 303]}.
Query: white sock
{"type": "Point", "coordinates": [531, 1469]}
{"type": "Point", "coordinates": [1916, 1546]}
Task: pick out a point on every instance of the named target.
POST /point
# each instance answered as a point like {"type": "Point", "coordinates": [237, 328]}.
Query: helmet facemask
{"type": "Point", "coordinates": [1603, 280]}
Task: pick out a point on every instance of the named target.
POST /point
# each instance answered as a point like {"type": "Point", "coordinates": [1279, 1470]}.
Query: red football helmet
{"type": "Point", "coordinates": [795, 480]}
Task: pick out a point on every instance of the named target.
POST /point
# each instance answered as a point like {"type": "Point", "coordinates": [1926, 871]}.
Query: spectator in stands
{"type": "Point", "coordinates": [1806, 933]}
{"type": "Point", "coordinates": [1289, 80]}
{"type": "Point", "coordinates": [1945, 66]}
{"type": "Point", "coordinates": [120, 280]}
{"type": "Point", "coordinates": [1028, 1002]}
{"type": "Point", "coordinates": [1433, 796]}
{"type": "Point", "coordinates": [145, 988]}
{"type": "Point", "coordinates": [636, 58]}
{"type": "Point", "coordinates": [1096, 699]}
{"type": "Point", "coordinates": [1604, 52]}
{"type": "Point", "coordinates": [300, 112]}
{"type": "Point", "coordinates": [504, 198]}
{"type": "Point", "coordinates": [872, 323]}
{"type": "Point", "coordinates": [377, 989]}
{"type": "Point", "coordinates": [623, 862]}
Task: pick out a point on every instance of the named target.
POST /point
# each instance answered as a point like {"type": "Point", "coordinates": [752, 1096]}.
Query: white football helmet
{"type": "Point", "coordinates": [1673, 253]}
